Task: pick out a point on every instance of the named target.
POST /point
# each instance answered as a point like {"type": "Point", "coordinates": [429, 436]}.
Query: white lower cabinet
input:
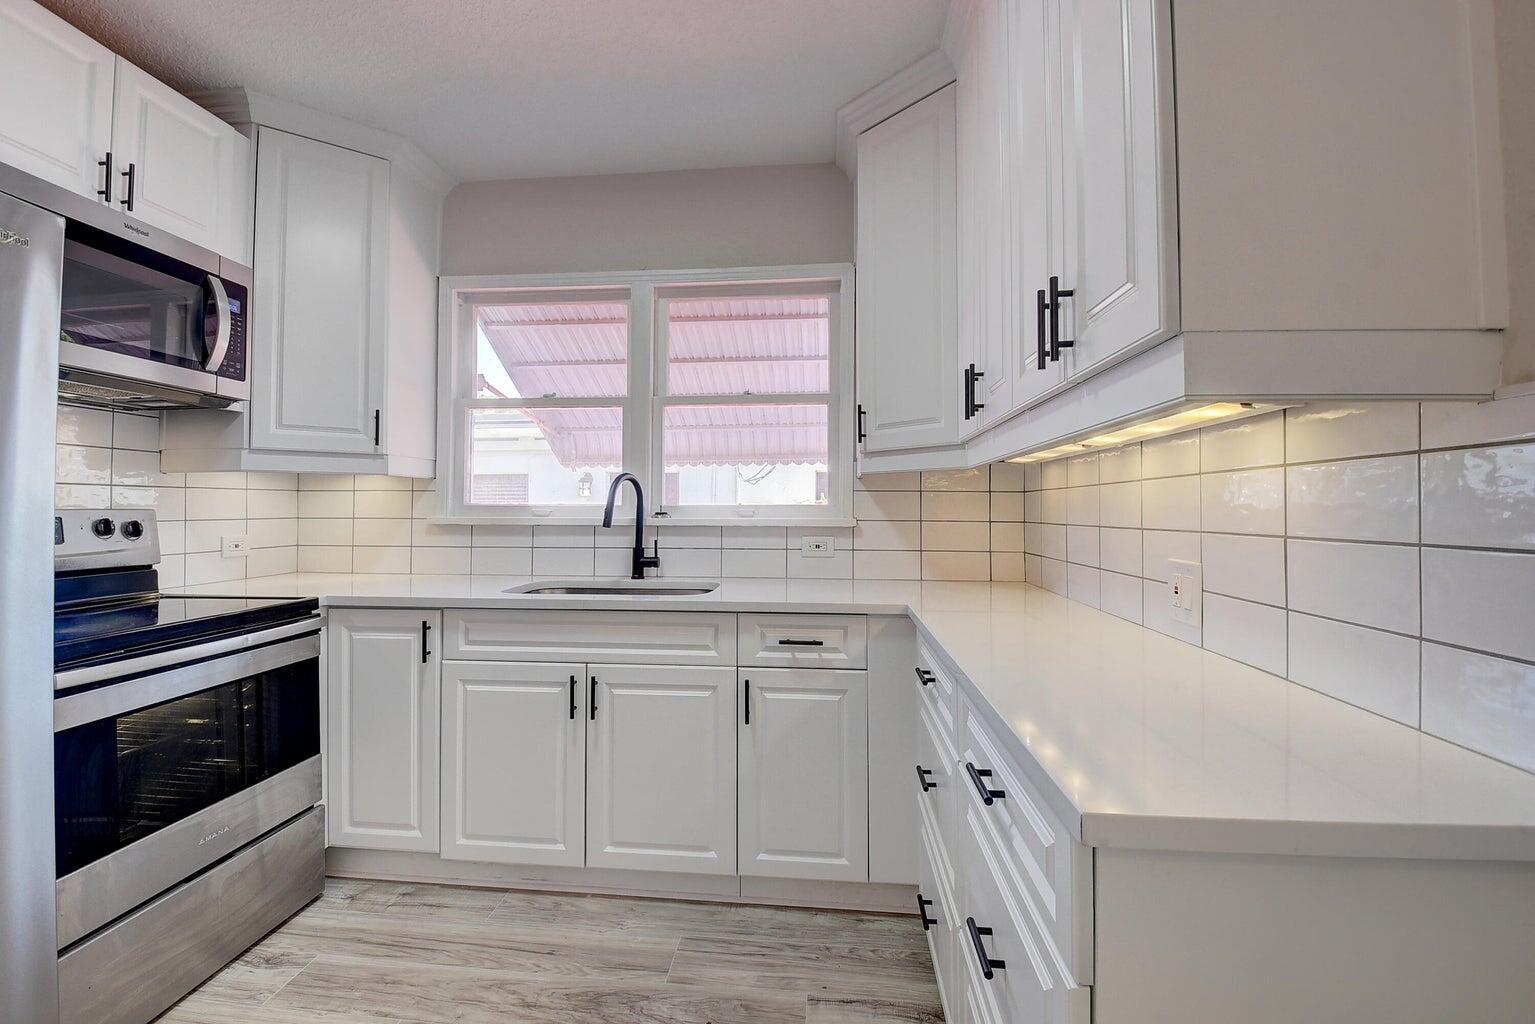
{"type": "Point", "coordinates": [804, 774]}
{"type": "Point", "coordinates": [661, 768]}
{"type": "Point", "coordinates": [382, 729]}
{"type": "Point", "coordinates": [514, 762]}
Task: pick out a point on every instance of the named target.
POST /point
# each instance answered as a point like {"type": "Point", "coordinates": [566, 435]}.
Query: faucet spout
{"type": "Point", "coordinates": [640, 561]}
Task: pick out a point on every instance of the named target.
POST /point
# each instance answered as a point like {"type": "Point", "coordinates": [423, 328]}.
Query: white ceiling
{"type": "Point", "coordinates": [532, 88]}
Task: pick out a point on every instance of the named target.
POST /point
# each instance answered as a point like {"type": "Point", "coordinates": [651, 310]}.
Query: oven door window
{"type": "Point", "coordinates": [134, 308]}
{"type": "Point", "coordinates": [120, 779]}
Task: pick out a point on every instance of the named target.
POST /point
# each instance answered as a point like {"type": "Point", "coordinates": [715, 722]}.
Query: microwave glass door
{"type": "Point", "coordinates": [136, 308]}
{"type": "Point", "coordinates": [122, 778]}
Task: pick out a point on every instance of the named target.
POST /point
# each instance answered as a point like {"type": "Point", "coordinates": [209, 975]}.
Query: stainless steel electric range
{"type": "Point", "coordinates": [186, 771]}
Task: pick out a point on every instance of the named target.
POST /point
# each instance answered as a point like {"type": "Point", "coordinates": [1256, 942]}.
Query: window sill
{"type": "Point", "coordinates": [830, 523]}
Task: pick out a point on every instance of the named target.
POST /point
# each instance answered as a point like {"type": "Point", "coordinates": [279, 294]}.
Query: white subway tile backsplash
{"type": "Point", "coordinates": [1250, 568]}
{"type": "Point", "coordinates": [956, 506]}
{"type": "Point", "coordinates": [1365, 667]}
{"type": "Point", "coordinates": [1007, 476]}
{"type": "Point", "coordinates": [267, 533]}
{"type": "Point", "coordinates": [838, 567]}
{"type": "Point", "coordinates": [378, 533]}
{"type": "Point", "coordinates": [1369, 584]}
{"type": "Point", "coordinates": [1169, 456]}
{"type": "Point", "coordinates": [881, 535]}
{"type": "Point", "coordinates": [888, 482]}
{"type": "Point", "coordinates": [271, 504]}
{"type": "Point", "coordinates": [1120, 595]}
{"type": "Point", "coordinates": [874, 565]}
{"type": "Point", "coordinates": [334, 532]}
{"type": "Point", "coordinates": [938, 536]}
{"type": "Point", "coordinates": [225, 480]}
{"type": "Point", "coordinates": [1480, 599]}
{"type": "Point", "coordinates": [769, 536]}
{"type": "Point", "coordinates": [208, 535]}
{"type": "Point", "coordinates": [955, 565]}
{"type": "Point", "coordinates": [382, 504]}
{"type": "Point", "coordinates": [906, 505]}
{"type": "Point", "coordinates": [383, 560]}
{"type": "Point", "coordinates": [486, 561]}
{"type": "Point", "coordinates": [1053, 474]}
{"type": "Point", "coordinates": [427, 534]}
{"type": "Point", "coordinates": [1120, 552]}
{"type": "Point", "coordinates": [761, 562]}
{"type": "Point", "coordinates": [501, 536]}
{"type": "Point", "coordinates": [1082, 470]}
{"type": "Point", "coordinates": [141, 469]}
{"type": "Point", "coordinates": [1083, 507]}
{"type": "Point", "coordinates": [213, 568]}
{"type": "Point", "coordinates": [91, 427]}
{"type": "Point", "coordinates": [569, 536]}
{"type": "Point", "coordinates": [1007, 537]}
{"type": "Point", "coordinates": [1244, 444]}
{"type": "Point", "coordinates": [1250, 501]}
{"type": "Point", "coordinates": [324, 504]}
{"type": "Point", "coordinates": [1006, 567]}
{"type": "Point", "coordinates": [274, 561]}
{"type": "Point", "coordinates": [978, 479]}
{"type": "Point", "coordinates": [690, 562]}
{"type": "Point", "coordinates": [75, 464]}
{"type": "Point", "coordinates": [1481, 702]}
{"type": "Point", "coordinates": [325, 559]}
{"type": "Point", "coordinates": [1118, 465]}
{"type": "Point", "coordinates": [1082, 584]}
{"type": "Point", "coordinates": [1008, 506]}
{"type": "Point", "coordinates": [1170, 503]}
{"type": "Point", "coordinates": [1160, 545]}
{"type": "Point", "coordinates": [1247, 632]}
{"type": "Point", "coordinates": [1082, 545]}
{"type": "Point", "coordinates": [1344, 430]}
{"type": "Point", "coordinates": [214, 503]}
{"type": "Point", "coordinates": [566, 561]}
{"type": "Point", "coordinates": [1466, 424]}
{"type": "Point", "coordinates": [1120, 504]}
{"type": "Point", "coordinates": [1049, 541]}
{"type": "Point", "coordinates": [1363, 499]}
{"type": "Point", "coordinates": [1052, 507]}
{"type": "Point", "coordinates": [1482, 497]}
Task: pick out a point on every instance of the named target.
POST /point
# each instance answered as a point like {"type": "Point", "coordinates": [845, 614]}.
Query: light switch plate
{"type": "Point", "coordinates": [1185, 589]}
{"type": "Point", "coordinates": [817, 547]}
{"type": "Point", "coordinates": [236, 546]}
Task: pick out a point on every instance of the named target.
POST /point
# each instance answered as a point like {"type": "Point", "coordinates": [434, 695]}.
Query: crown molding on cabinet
{"type": "Point", "coordinates": [913, 82]}
{"type": "Point", "coordinates": [241, 106]}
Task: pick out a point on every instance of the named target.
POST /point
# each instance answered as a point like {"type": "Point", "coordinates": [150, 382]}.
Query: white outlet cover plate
{"type": "Point", "coordinates": [817, 547]}
{"type": "Point", "coordinates": [237, 546]}
{"type": "Point", "coordinates": [1185, 590]}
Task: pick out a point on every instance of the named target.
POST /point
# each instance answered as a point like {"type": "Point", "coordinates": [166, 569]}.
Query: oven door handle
{"type": "Point", "coordinates": [78, 709]}
{"type": "Point", "coordinates": [220, 345]}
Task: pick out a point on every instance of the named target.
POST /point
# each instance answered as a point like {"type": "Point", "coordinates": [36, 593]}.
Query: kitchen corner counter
{"type": "Point", "coordinates": [1138, 740]}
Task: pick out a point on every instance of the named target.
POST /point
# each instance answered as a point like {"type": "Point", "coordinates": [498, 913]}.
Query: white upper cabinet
{"type": "Point", "coordinates": [55, 100]}
{"type": "Point", "coordinates": [804, 774]}
{"type": "Point", "coordinates": [175, 161]}
{"type": "Point", "coordinates": [514, 762]}
{"type": "Point", "coordinates": [1120, 190]}
{"type": "Point", "coordinates": [908, 364]}
{"type": "Point", "coordinates": [321, 297]}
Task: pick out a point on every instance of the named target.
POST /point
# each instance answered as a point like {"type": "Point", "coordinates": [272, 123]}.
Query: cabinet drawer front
{"type": "Point", "coordinates": [938, 690]}
{"type": "Point", "coordinates": [593, 637]}
{"type": "Point", "coordinates": [1047, 865]}
{"type": "Point", "coordinates": [938, 906]}
{"type": "Point", "coordinates": [805, 641]}
{"type": "Point", "coordinates": [939, 802]}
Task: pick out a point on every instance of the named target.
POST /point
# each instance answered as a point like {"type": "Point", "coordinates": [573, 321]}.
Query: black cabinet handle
{"type": "Point", "coordinates": [975, 375]}
{"type": "Point", "coordinates": [572, 698]}
{"type": "Point", "coordinates": [922, 905]}
{"type": "Point", "coordinates": [988, 965]}
{"type": "Point", "coordinates": [863, 435]}
{"type": "Point", "coordinates": [746, 691]}
{"type": "Point", "coordinates": [377, 416]}
{"type": "Point", "coordinates": [105, 191]}
{"type": "Point", "coordinates": [979, 777]}
{"type": "Point", "coordinates": [970, 391]}
{"type": "Point", "coordinates": [922, 774]}
{"type": "Point", "coordinates": [925, 677]}
{"type": "Point", "coordinates": [131, 174]}
{"type": "Point", "coordinates": [1057, 293]}
{"type": "Point", "coordinates": [1041, 307]}
{"type": "Point", "coordinates": [791, 642]}
{"type": "Point", "coordinates": [425, 629]}
{"type": "Point", "coordinates": [593, 699]}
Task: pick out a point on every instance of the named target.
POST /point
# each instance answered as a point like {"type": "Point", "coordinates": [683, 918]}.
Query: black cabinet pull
{"type": "Point", "coordinates": [970, 391]}
{"type": "Point", "coordinates": [863, 435]}
{"type": "Point", "coordinates": [377, 416]}
{"type": "Point", "coordinates": [924, 676]}
{"type": "Point", "coordinates": [105, 191]}
{"type": "Point", "coordinates": [791, 642]}
{"type": "Point", "coordinates": [1041, 307]}
{"type": "Point", "coordinates": [131, 174]}
{"type": "Point", "coordinates": [975, 375]}
{"type": "Point", "coordinates": [593, 699]}
{"type": "Point", "coordinates": [922, 774]}
{"type": "Point", "coordinates": [1057, 293]}
{"type": "Point", "coordinates": [572, 698]}
{"type": "Point", "coordinates": [922, 905]}
{"type": "Point", "coordinates": [979, 777]}
{"type": "Point", "coordinates": [746, 690]}
{"type": "Point", "coordinates": [988, 965]}
{"type": "Point", "coordinates": [425, 654]}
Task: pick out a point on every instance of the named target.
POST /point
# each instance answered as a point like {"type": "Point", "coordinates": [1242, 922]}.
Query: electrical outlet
{"type": "Point", "coordinates": [1185, 586]}
{"type": "Point", "coordinates": [236, 546]}
{"type": "Point", "coordinates": [816, 547]}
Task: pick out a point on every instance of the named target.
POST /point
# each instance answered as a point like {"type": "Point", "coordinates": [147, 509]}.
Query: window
{"type": "Point", "coordinates": [725, 393]}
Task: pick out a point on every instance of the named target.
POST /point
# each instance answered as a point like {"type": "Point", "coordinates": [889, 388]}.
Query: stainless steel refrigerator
{"type": "Point", "coordinates": [31, 261]}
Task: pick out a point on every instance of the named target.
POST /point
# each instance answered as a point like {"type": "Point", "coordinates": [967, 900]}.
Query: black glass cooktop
{"type": "Point", "coordinates": [98, 620]}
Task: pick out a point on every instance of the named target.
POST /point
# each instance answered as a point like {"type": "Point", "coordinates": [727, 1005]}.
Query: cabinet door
{"type": "Point", "coordinates": [661, 768]}
{"type": "Point", "coordinates": [804, 760]}
{"type": "Point", "coordinates": [969, 207]}
{"type": "Point", "coordinates": [322, 249]}
{"type": "Point", "coordinates": [908, 363]}
{"type": "Point", "coordinates": [55, 99]}
{"type": "Point", "coordinates": [382, 729]}
{"type": "Point", "coordinates": [995, 320]}
{"type": "Point", "coordinates": [1119, 180]}
{"type": "Point", "coordinates": [175, 160]}
{"type": "Point", "coordinates": [514, 762]}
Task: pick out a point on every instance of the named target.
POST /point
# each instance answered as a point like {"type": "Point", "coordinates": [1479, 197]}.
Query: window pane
{"type": "Point", "coordinates": [549, 350]}
{"type": "Point", "coordinates": [745, 454]}
{"type": "Point", "coordinates": [543, 456]}
{"type": "Point", "coordinates": [748, 346]}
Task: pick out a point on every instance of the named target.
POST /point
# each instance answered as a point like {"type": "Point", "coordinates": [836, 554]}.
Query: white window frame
{"type": "Point", "coordinates": [644, 405]}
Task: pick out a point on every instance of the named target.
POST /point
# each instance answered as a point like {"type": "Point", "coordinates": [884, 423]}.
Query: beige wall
{"type": "Point", "coordinates": [1515, 34]}
{"type": "Point", "coordinates": [735, 217]}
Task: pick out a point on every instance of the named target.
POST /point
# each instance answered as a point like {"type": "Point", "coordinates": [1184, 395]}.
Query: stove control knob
{"type": "Point", "coordinates": [133, 529]}
{"type": "Point", "coordinates": [103, 527]}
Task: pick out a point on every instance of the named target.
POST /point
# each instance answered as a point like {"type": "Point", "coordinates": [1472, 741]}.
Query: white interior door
{"type": "Point", "coordinates": [175, 159]}
{"type": "Point", "coordinates": [382, 729]}
{"type": "Point", "coordinates": [55, 99]}
{"type": "Point", "coordinates": [1121, 195]}
{"type": "Point", "coordinates": [514, 762]}
{"type": "Point", "coordinates": [661, 768]}
{"type": "Point", "coordinates": [804, 758]}
{"type": "Point", "coordinates": [322, 254]}
{"type": "Point", "coordinates": [908, 361]}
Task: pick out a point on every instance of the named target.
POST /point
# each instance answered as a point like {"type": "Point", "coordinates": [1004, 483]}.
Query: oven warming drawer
{"type": "Point", "coordinates": [134, 970]}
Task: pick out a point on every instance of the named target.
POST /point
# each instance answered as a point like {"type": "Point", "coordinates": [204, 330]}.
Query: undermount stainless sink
{"type": "Point", "coordinates": [618, 588]}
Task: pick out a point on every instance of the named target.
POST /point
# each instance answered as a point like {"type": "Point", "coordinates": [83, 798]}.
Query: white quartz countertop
{"type": "Point", "coordinates": [1141, 740]}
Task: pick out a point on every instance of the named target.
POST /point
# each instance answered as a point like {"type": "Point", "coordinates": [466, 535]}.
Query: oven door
{"type": "Point", "coordinates": [159, 776]}
{"type": "Point", "coordinates": [134, 314]}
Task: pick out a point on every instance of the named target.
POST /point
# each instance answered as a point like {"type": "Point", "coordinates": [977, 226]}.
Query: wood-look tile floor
{"type": "Point", "coordinates": [376, 952]}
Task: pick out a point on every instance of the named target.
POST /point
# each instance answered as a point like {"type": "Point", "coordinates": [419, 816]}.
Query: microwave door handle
{"type": "Point", "coordinates": [221, 339]}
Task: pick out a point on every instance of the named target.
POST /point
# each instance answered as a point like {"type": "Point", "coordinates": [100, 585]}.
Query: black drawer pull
{"type": "Point", "coordinates": [924, 676]}
{"type": "Point", "coordinates": [922, 905]}
{"type": "Point", "coordinates": [572, 698]}
{"type": "Point", "coordinates": [425, 654]}
{"type": "Point", "coordinates": [746, 694]}
{"type": "Point", "coordinates": [801, 643]}
{"type": "Point", "coordinates": [978, 776]}
{"type": "Point", "coordinates": [593, 699]}
{"type": "Point", "coordinates": [988, 965]}
{"type": "Point", "coordinates": [922, 774]}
